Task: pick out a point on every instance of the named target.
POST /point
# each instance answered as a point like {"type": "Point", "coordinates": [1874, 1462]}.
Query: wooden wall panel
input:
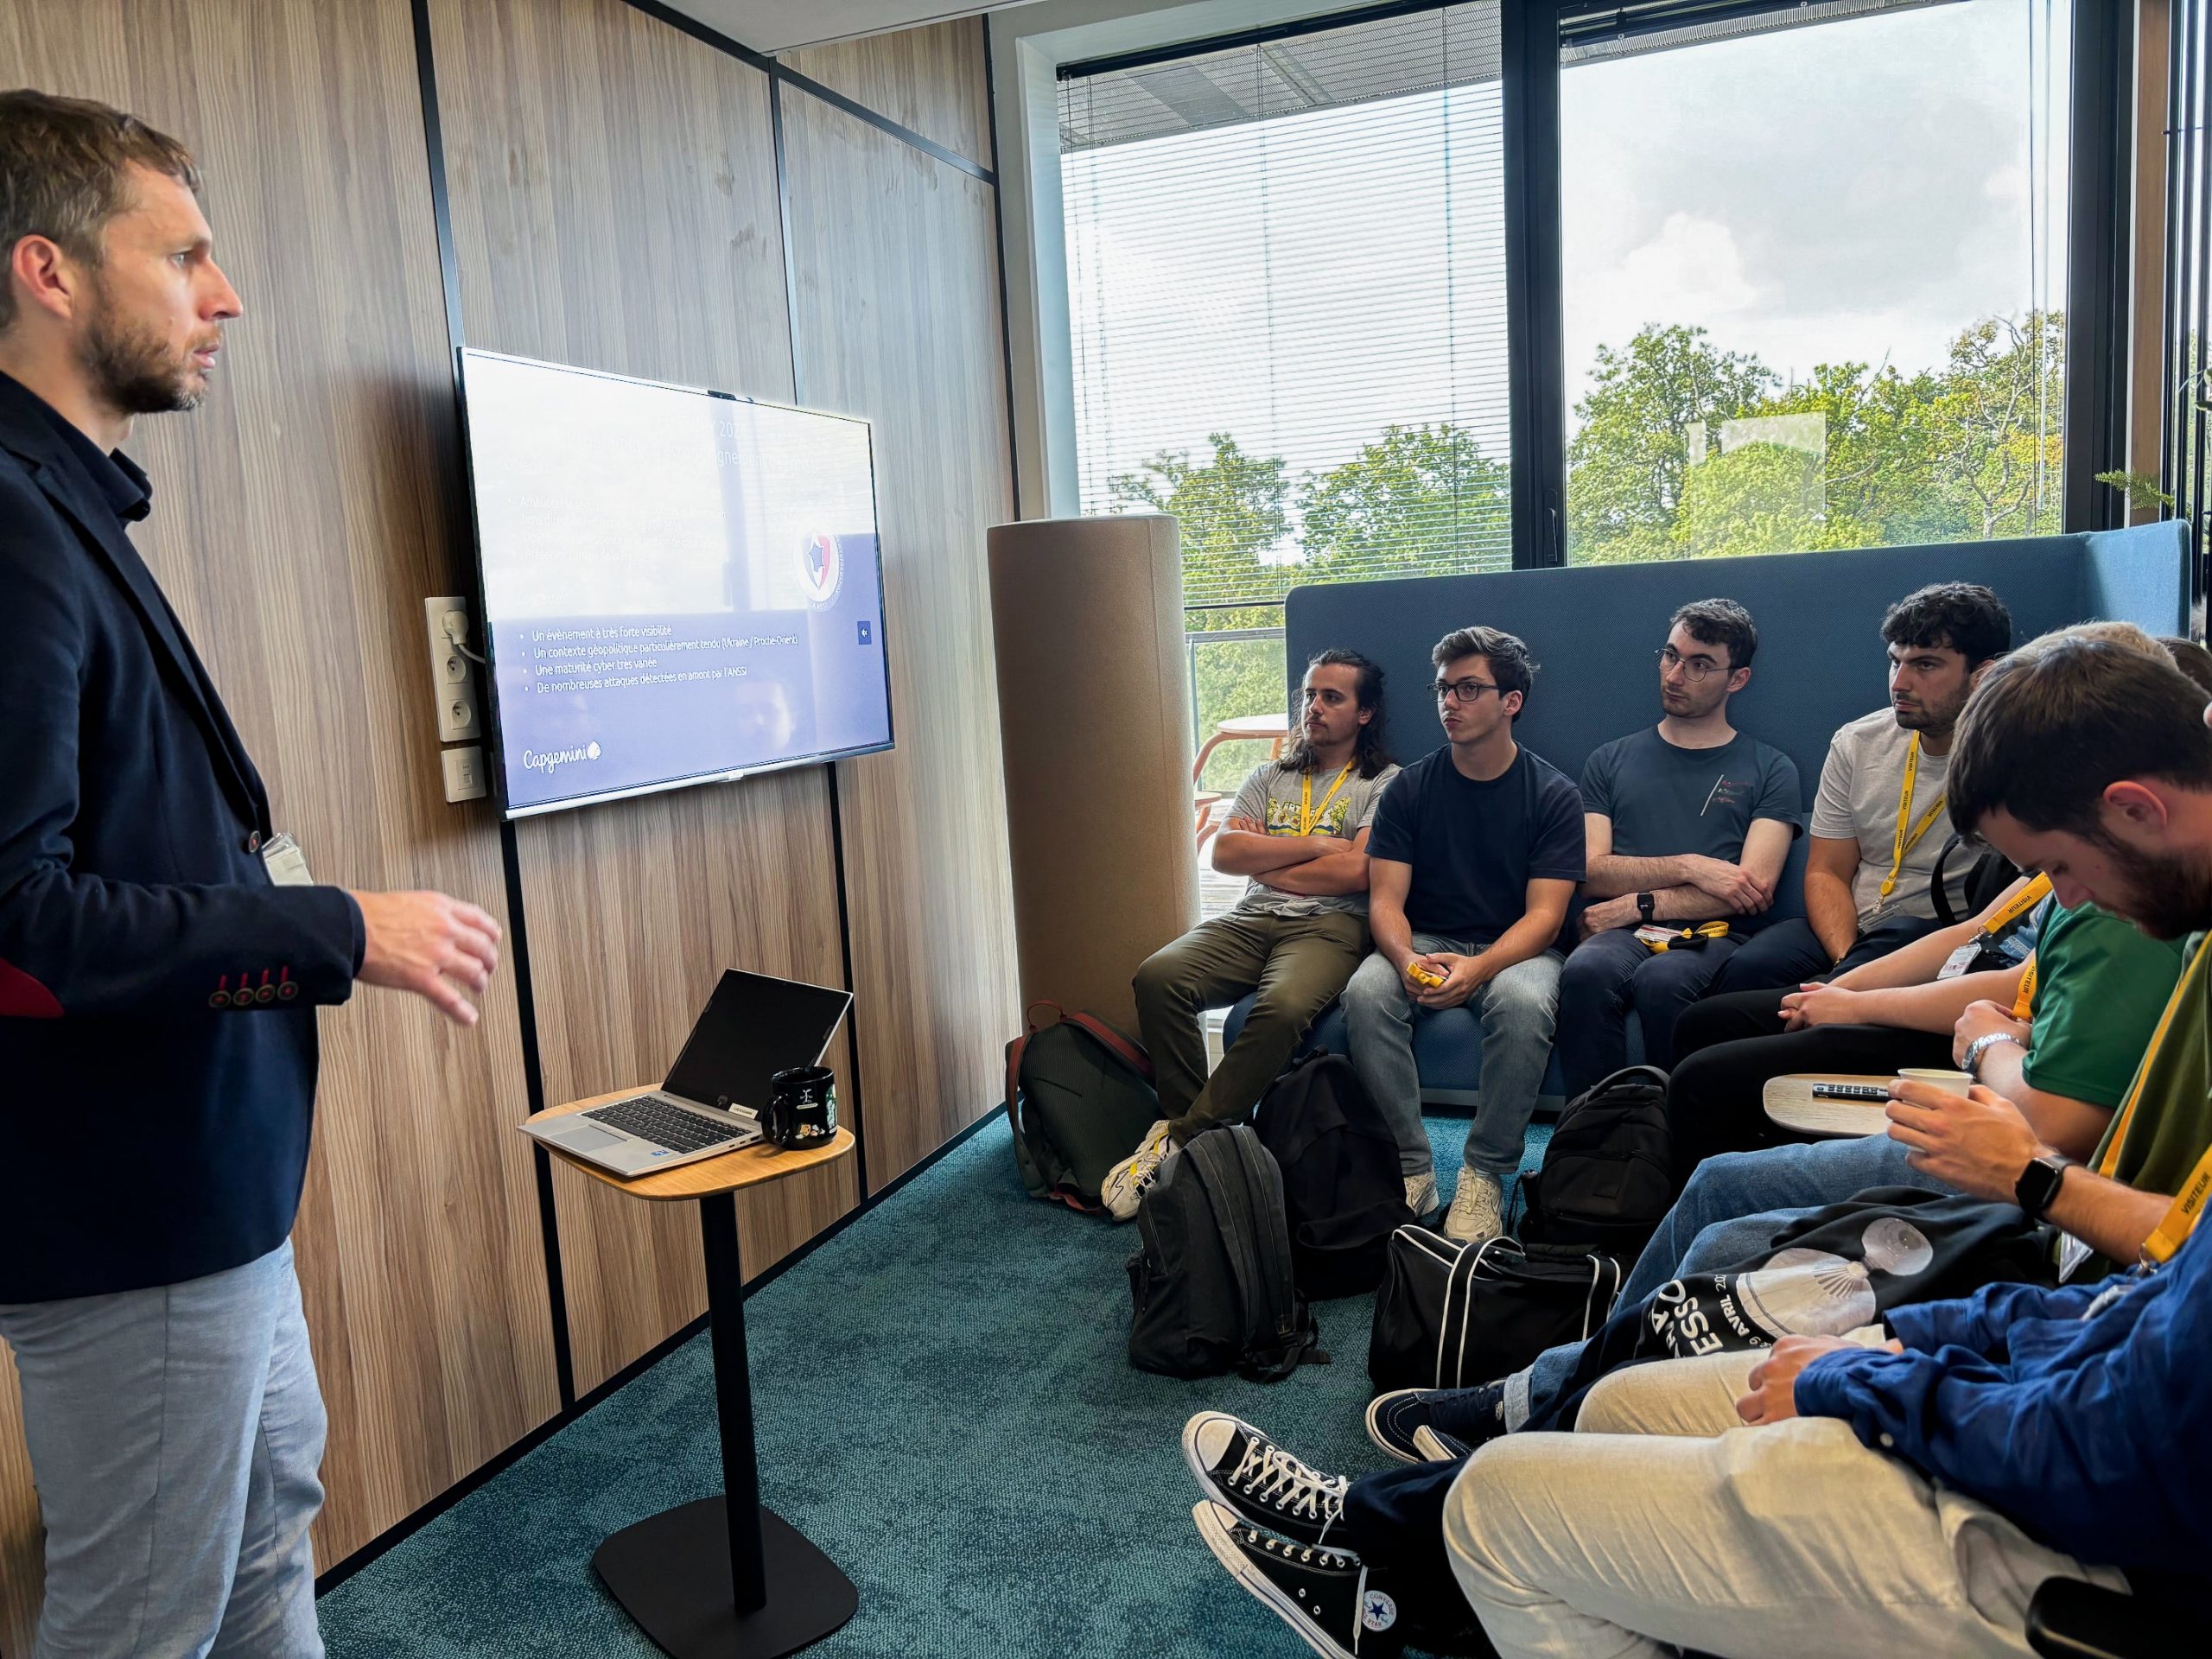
{"type": "Point", "coordinates": [613, 199]}
{"type": "Point", "coordinates": [299, 518]}
{"type": "Point", "coordinates": [897, 307]}
{"type": "Point", "coordinates": [931, 80]}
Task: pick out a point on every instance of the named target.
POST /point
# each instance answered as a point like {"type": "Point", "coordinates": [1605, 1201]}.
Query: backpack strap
{"type": "Point", "coordinates": [1452, 1330]}
{"type": "Point", "coordinates": [1273, 1341]}
{"type": "Point", "coordinates": [1605, 1291]}
{"type": "Point", "coordinates": [1285, 1322]}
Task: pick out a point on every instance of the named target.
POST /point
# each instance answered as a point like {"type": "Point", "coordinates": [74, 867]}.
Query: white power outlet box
{"type": "Point", "coordinates": [464, 773]}
{"type": "Point", "coordinates": [454, 682]}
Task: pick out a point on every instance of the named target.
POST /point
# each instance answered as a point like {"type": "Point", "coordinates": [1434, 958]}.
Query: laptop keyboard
{"type": "Point", "coordinates": [662, 1124]}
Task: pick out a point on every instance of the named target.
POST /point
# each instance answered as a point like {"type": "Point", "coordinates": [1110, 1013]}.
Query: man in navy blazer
{"type": "Point", "coordinates": [157, 985]}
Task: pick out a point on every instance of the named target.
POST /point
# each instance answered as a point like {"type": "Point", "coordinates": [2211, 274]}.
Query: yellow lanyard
{"type": "Point", "coordinates": [1906, 842]}
{"type": "Point", "coordinates": [1307, 816]}
{"type": "Point", "coordinates": [2180, 1220]}
{"type": "Point", "coordinates": [2019, 905]}
{"type": "Point", "coordinates": [2110, 1161]}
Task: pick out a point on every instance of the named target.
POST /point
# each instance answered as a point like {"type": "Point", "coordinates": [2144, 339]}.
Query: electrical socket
{"type": "Point", "coordinates": [464, 770]}
{"type": "Point", "coordinates": [452, 676]}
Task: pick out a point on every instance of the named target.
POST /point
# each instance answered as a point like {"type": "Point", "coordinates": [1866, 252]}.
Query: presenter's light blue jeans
{"type": "Point", "coordinates": [175, 1435]}
{"type": "Point", "coordinates": [1517, 1010]}
{"type": "Point", "coordinates": [1734, 1205]}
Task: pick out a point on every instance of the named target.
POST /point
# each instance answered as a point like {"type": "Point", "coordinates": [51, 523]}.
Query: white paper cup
{"type": "Point", "coordinates": [1957, 1082]}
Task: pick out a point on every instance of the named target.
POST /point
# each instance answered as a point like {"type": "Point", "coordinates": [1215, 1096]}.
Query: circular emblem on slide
{"type": "Point", "coordinates": [592, 752]}
{"type": "Point", "coordinates": [821, 566]}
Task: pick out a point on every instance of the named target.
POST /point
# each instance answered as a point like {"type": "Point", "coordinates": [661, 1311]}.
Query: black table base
{"type": "Point", "coordinates": [671, 1574]}
{"type": "Point", "coordinates": [722, 1578]}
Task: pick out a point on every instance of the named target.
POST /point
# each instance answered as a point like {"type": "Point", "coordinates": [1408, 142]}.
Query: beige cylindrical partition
{"type": "Point", "coordinates": [1095, 711]}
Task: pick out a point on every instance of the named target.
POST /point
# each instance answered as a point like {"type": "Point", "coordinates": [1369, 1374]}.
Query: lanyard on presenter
{"type": "Point", "coordinates": [1907, 839]}
{"type": "Point", "coordinates": [1308, 815]}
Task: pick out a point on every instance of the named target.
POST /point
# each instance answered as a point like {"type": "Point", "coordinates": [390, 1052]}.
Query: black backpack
{"type": "Point", "coordinates": [1340, 1179]}
{"type": "Point", "coordinates": [1607, 1179]}
{"type": "Point", "coordinates": [1080, 1098]}
{"type": "Point", "coordinates": [1212, 1286]}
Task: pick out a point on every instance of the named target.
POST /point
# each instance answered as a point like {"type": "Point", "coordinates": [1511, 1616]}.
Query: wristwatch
{"type": "Point", "coordinates": [1970, 1063]}
{"type": "Point", "coordinates": [1646, 905]}
{"type": "Point", "coordinates": [2038, 1184]}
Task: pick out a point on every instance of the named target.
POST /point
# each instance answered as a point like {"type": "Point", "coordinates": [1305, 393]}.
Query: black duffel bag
{"type": "Point", "coordinates": [1452, 1316]}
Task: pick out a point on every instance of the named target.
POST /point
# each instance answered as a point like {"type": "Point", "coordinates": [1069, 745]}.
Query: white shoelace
{"type": "Point", "coordinates": [1271, 1476]}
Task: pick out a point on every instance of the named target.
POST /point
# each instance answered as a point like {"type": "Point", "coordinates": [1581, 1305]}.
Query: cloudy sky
{"type": "Point", "coordinates": [1859, 190]}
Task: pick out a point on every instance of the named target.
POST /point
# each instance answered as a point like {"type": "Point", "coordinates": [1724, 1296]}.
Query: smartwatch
{"type": "Point", "coordinates": [1970, 1063]}
{"type": "Point", "coordinates": [1645, 905]}
{"type": "Point", "coordinates": [2038, 1184]}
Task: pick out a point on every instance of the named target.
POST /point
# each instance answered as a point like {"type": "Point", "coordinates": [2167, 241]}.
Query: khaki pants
{"type": "Point", "coordinates": [1658, 1526]}
{"type": "Point", "coordinates": [1297, 963]}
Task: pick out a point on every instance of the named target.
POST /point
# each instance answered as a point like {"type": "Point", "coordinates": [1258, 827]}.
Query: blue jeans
{"type": "Point", "coordinates": [175, 1435]}
{"type": "Point", "coordinates": [1611, 974]}
{"type": "Point", "coordinates": [1517, 1010]}
{"type": "Point", "coordinates": [1733, 1204]}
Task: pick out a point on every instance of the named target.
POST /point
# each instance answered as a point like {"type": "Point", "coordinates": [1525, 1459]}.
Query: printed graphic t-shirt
{"type": "Point", "coordinates": [1275, 798]}
{"type": "Point", "coordinates": [1475, 847]}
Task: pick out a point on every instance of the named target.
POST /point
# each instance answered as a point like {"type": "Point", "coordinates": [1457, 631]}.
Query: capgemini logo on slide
{"type": "Point", "coordinates": [549, 762]}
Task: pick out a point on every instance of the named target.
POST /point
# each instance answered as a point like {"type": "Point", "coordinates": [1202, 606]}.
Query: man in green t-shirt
{"type": "Point", "coordinates": [1298, 832]}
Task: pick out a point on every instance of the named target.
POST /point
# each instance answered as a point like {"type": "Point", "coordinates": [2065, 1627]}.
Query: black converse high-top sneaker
{"type": "Point", "coordinates": [1323, 1594]}
{"type": "Point", "coordinates": [1244, 1471]}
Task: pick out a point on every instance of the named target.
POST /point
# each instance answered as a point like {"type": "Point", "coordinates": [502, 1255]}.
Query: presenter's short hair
{"type": "Point", "coordinates": [64, 171]}
{"type": "Point", "coordinates": [2054, 724]}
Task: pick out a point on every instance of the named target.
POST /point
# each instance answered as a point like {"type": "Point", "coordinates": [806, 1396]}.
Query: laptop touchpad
{"type": "Point", "coordinates": [583, 1137]}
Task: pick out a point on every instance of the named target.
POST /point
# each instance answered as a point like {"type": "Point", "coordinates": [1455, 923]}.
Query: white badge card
{"type": "Point", "coordinates": [1960, 960]}
{"type": "Point", "coordinates": [2072, 1252]}
{"type": "Point", "coordinates": [288, 865]}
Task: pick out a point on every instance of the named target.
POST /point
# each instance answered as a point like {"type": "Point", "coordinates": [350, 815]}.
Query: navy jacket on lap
{"type": "Point", "coordinates": [158, 1034]}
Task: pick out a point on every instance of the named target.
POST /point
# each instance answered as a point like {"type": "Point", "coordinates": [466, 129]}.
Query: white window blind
{"type": "Point", "coordinates": [1287, 281]}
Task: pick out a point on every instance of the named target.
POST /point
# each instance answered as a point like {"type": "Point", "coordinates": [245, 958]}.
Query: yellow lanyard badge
{"type": "Point", "coordinates": [1909, 834]}
{"type": "Point", "coordinates": [1308, 815]}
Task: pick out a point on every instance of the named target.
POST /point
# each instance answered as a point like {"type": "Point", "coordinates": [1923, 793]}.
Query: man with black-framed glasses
{"type": "Point", "coordinates": [1474, 852]}
{"type": "Point", "coordinates": [1689, 824]}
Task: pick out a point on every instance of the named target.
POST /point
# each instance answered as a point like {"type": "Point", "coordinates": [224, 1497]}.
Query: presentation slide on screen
{"type": "Point", "coordinates": [679, 585]}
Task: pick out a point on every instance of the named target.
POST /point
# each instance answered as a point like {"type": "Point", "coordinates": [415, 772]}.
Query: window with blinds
{"type": "Point", "coordinates": [1287, 283]}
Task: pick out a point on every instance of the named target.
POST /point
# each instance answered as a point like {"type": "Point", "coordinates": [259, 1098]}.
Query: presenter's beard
{"type": "Point", "coordinates": [138, 372]}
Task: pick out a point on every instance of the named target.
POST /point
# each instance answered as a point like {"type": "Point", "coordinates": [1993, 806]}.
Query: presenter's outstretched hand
{"type": "Point", "coordinates": [441, 948]}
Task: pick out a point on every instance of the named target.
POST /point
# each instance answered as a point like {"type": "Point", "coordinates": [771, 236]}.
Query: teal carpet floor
{"type": "Point", "coordinates": [944, 1405]}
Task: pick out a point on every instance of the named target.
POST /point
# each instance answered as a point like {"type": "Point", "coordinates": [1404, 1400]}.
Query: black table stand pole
{"type": "Point", "coordinates": [748, 1572]}
{"type": "Point", "coordinates": [696, 1578]}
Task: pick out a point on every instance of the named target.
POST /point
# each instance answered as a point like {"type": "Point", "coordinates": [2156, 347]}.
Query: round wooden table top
{"type": "Point", "coordinates": [747, 1166]}
{"type": "Point", "coordinates": [1790, 1105]}
{"type": "Point", "coordinates": [1256, 726]}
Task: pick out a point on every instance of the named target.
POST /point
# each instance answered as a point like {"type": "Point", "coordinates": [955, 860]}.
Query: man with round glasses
{"type": "Point", "coordinates": [1475, 853]}
{"type": "Point", "coordinates": [1688, 825]}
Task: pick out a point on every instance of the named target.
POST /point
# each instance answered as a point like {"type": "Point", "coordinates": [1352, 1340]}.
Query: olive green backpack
{"type": "Point", "coordinates": [1079, 1096]}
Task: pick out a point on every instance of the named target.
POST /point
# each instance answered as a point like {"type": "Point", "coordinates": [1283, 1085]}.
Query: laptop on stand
{"type": "Point", "coordinates": [753, 1027]}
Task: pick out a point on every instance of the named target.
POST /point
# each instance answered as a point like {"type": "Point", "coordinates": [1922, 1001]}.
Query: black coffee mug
{"type": "Point", "coordinates": [802, 1106]}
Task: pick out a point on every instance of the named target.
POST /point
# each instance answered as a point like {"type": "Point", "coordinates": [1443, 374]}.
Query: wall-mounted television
{"type": "Point", "coordinates": [680, 586]}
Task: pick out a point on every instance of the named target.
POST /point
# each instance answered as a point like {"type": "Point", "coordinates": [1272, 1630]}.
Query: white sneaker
{"type": "Point", "coordinates": [1420, 1194]}
{"type": "Point", "coordinates": [1125, 1183]}
{"type": "Point", "coordinates": [1478, 1209]}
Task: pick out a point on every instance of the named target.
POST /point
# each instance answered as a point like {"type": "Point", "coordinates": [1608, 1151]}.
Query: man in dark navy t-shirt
{"type": "Point", "coordinates": [1689, 824]}
{"type": "Point", "coordinates": [1475, 853]}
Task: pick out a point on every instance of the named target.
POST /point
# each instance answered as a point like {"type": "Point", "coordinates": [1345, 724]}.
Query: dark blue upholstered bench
{"type": "Point", "coordinates": [1594, 629]}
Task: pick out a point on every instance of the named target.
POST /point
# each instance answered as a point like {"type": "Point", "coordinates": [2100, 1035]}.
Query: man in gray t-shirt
{"type": "Point", "coordinates": [1298, 830]}
{"type": "Point", "coordinates": [1880, 819]}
